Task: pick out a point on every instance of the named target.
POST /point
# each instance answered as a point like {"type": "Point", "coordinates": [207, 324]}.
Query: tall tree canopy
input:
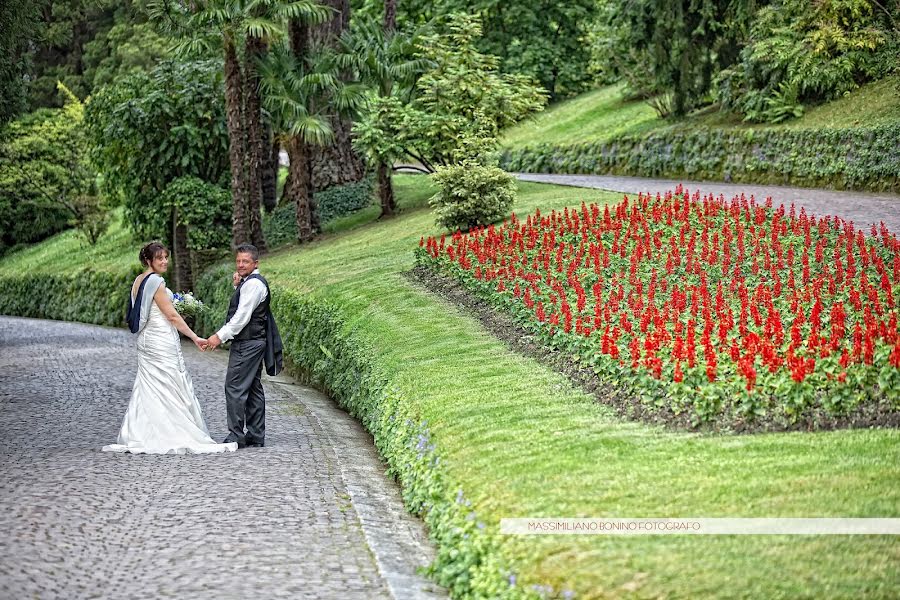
{"type": "Point", "coordinates": [543, 39]}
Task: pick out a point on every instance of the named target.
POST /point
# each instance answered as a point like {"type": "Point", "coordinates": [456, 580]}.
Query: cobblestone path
{"type": "Point", "coordinates": [311, 515]}
{"type": "Point", "coordinates": [863, 208]}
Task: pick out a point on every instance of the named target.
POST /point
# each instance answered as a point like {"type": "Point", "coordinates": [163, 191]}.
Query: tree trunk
{"type": "Point", "coordinates": [337, 163]}
{"type": "Point", "coordinates": [386, 190]}
{"type": "Point", "coordinates": [300, 192]}
{"type": "Point", "coordinates": [255, 48]}
{"type": "Point", "coordinates": [184, 278]}
{"type": "Point", "coordinates": [390, 17]}
{"type": "Point", "coordinates": [240, 231]}
{"type": "Point", "coordinates": [270, 169]}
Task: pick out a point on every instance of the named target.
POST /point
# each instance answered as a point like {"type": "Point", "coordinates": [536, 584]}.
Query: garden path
{"type": "Point", "coordinates": [311, 515]}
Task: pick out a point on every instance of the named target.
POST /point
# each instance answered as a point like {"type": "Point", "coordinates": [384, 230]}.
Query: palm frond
{"type": "Point", "coordinates": [313, 129]}
{"type": "Point", "coordinates": [308, 11]}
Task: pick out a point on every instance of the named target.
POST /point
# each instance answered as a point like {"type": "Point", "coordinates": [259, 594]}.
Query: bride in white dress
{"type": "Point", "coordinates": [163, 416]}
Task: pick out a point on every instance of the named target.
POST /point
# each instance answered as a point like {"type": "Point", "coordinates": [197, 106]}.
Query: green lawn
{"type": "Point", "coordinates": [603, 114]}
{"type": "Point", "coordinates": [68, 251]}
{"type": "Point", "coordinates": [521, 441]}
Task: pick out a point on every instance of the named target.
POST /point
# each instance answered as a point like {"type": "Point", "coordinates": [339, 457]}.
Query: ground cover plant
{"type": "Point", "coordinates": [728, 312]}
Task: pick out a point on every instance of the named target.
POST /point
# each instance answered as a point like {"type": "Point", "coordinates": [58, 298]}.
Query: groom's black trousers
{"type": "Point", "coordinates": [245, 400]}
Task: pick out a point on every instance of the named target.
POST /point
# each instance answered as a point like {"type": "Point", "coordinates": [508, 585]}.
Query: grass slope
{"type": "Point", "coordinates": [603, 114]}
{"type": "Point", "coordinates": [520, 441]}
{"type": "Point", "coordinates": [68, 251]}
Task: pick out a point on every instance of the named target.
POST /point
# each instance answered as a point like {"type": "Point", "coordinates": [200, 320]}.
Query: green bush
{"type": "Point", "coordinates": [280, 226]}
{"type": "Point", "coordinates": [204, 208]}
{"type": "Point", "coordinates": [87, 296]}
{"type": "Point", "coordinates": [860, 158]}
{"type": "Point", "coordinates": [472, 194]}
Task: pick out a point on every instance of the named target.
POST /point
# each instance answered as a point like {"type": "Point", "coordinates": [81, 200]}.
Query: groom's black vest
{"type": "Point", "coordinates": [256, 327]}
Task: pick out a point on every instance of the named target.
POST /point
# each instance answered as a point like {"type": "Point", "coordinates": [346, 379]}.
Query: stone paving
{"type": "Point", "coordinates": [863, 208]}
{"type": "Point", "coordinates": [311, 515]}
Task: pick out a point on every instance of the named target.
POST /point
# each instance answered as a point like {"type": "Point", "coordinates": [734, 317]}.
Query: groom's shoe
{"type": "Point", "coordinates": [230, 439]}
{"type": "Point", "coordinates": [255, 444]}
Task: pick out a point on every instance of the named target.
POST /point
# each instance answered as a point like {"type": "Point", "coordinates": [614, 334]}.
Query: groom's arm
{"type": "Point", "coordinates": [252, 295]}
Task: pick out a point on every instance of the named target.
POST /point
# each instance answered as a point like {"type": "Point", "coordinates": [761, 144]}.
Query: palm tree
{"type": "Point", "coordinates": [385, 60]}
{"type": "Point", "coordinates": [207, 26]}
{"type": "Point", "coordinates": [301, 92]}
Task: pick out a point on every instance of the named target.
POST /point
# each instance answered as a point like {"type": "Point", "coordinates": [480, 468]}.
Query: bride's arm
{"type": "Point", "coordinates": [168, 309]}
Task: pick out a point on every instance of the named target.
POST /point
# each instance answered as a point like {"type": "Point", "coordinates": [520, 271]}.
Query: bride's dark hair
{"type": "Point", "coordinates": [151, 251]}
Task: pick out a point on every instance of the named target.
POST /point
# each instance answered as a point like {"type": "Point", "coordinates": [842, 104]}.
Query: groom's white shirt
{"type": "Point", "coordinates": [252, 294]}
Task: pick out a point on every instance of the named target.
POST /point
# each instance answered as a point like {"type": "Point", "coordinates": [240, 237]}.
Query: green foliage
{"type": "Point", "coordinates": [127, 48]}
{"type": "Point", "coordinates": [18, 23]}
{"type": "Point", "coordinates": [86, 295]}
{"type": "Point", "coordinates": [204, 208]}
{"type": "Point", "coordinates": [280, 226]}
{"type": "Point", "coordinates": [472, 194]}
{"type": "Point", "coordinates": [800, 53]}
{"type": "Point", "coordinates": [462, 103]}
{"type": "Point", "coordinates": [46, 181]}
{"type": "Point", "coordinates": [86, 44]}
{"type": "Point", "coordinates": [862, 158]}
{"type": "Point", "coordinates": [149, 129]}
{"type": "Point", "coordinates": [545, 41]}
{"type": "Point", "coordinates": [669, 51]}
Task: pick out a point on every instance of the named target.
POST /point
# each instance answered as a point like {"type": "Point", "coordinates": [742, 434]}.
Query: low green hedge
{"type": "Point", "coordinates": [861, 158]}
{"type": "Point", "coordinates": [324, 351]}
{"type": "Point", "coordinates": [88, 296]}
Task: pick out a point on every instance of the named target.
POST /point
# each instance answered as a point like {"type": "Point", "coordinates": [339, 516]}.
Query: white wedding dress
{"type": "Point", "coordinates": [163, 416]}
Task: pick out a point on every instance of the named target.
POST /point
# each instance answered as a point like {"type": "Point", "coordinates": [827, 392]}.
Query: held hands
{"type": "Point", "coordinates": [201, 343]}
{"type": "Point", "coordinates": [212, 343]}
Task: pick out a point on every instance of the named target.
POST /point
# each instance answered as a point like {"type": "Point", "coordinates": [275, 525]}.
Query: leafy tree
{"type": "Point", "coordinates": [126, 48]}
{"type": "Point", "coordinates": [147, 130]}
{"type": "Point", "coordinates": [83, 43]}
{"type": "Point", "coordinates": [384, 60]}
{"type": "Point", "coordinates": [543, 39]}
{"type": "Point", "coordinates": [46, 181]}
{"type": "Point", "coordinates": [336, 163]}
{"type": "Point", "coordinates": [461, 103]}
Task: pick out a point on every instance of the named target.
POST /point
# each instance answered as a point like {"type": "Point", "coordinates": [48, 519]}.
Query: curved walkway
{"type": "Point", "coordinates": [863, 208]}
{"type": "Point", "coordinates": [311, 515]}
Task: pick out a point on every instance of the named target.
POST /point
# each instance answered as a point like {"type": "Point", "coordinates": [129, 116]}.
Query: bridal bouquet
{"type": "Point", "coordinates": [187, 305]}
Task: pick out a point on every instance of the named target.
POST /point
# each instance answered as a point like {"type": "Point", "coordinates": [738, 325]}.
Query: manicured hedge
{"type": "Point", "coordinates": [88, 296]}
{"type": "Point", "coordinates": [324, 351]}
{"type": "Point", "coordinates": [861, 158]}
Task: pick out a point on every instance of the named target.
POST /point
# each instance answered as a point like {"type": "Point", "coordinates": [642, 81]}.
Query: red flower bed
{"type": "Point", "coordinates": [698, 303]}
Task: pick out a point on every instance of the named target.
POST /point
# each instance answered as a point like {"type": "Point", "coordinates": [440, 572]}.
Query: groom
{"type": "Point", "coordinates": [247, 325]}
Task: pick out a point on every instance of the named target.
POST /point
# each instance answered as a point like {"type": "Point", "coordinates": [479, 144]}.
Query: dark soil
{"type": "Point", "coordinates": [518, 339]}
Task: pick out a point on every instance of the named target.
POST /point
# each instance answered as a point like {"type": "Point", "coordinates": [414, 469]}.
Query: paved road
{"type": "Point", "coordinates": [311, 515]}
{"type": "Point", "coordinates": [863, 208]}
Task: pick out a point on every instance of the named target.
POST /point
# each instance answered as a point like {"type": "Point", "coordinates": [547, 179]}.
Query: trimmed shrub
{"type": "Point", "coordinates": [87, 296]}
{"type": "Point", "coordinates": [472, 194]}
{"type": "Point", "coordinates": [860, 158]}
